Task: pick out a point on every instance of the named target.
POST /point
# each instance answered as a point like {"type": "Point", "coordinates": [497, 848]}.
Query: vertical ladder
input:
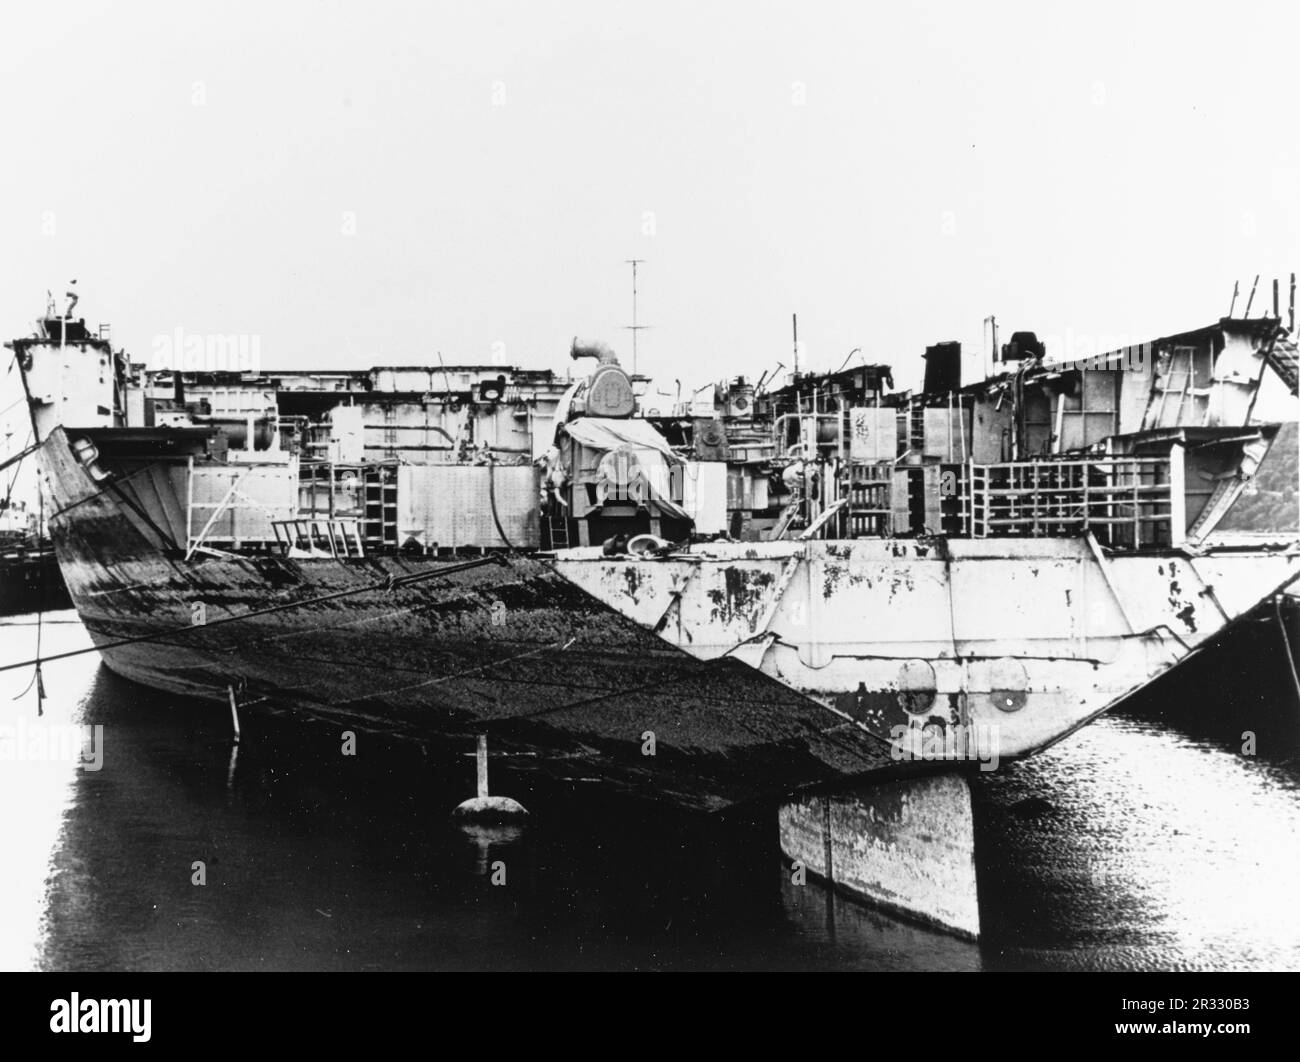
{"type": "Point", "coordinates": [558, 528]}
{"type": "Point", "coordinates": [380, 503]}
{"type": "Point", "coordinates": [373, 525]}
{"type": "Point", "coordinates": [389, 496]}
{"type": "Point", "coordinates": [1178, 379]}
{"type": "Point", "coordinates": [979, 495]}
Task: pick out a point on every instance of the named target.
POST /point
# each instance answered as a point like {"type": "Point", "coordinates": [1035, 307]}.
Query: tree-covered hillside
{"type": "Point", "coordinates": [1270, 503]}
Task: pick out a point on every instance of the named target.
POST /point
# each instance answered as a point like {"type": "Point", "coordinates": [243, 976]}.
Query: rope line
{"type": "Point", "coordinates": [392, 583]}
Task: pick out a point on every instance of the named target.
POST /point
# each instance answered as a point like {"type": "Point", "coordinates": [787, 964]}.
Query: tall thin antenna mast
{"type": "Point", "coordinates": [634, 328]}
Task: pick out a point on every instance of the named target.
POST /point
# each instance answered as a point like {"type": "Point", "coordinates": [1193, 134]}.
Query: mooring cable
{"type": "Point", "coordinates": [392, 583]}
{"type": "Point", "coordinates": [37, 679]}
{"type": "Point", "coordinates": [1286, 642]}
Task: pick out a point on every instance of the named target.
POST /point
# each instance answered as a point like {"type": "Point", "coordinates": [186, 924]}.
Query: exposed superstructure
{"type": "Point", "coordinates": [796, 584]}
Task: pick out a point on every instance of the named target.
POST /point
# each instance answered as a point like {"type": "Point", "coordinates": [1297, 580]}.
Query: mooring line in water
{"type": "Point", "coordinates": [391, 583]}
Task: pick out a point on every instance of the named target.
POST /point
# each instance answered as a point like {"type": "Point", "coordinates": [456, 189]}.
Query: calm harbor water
{"type": "Point", "coordinates": [1146, 841]}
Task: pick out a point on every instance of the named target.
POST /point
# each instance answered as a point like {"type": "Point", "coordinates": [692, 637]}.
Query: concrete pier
{"type": "Point", "coordinates": [907, 846]}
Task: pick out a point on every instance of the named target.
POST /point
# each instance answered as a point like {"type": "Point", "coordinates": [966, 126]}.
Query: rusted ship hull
{"type": "Point", "coordinates": [438, 648]}
{"type": "Point", "coordinates": [759, 668]}
{"type": "Point", "coordinates": [934, 644]}
{"type": "Point", "coordinates": [953, 595]}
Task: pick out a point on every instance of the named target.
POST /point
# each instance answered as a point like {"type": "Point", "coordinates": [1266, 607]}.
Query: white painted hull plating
{"type": "Point", "coordinates": [1017, 642]}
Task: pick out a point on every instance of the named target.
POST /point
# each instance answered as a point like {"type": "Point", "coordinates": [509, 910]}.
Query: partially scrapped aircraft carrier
{"type": "Point", "coordinates": [828, 595]}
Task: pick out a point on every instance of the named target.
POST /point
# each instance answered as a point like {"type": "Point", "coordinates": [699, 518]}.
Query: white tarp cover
{"type": "Point", "coordinates": [649, 448]}
{"type": "Point", "coordinates": [603, 434]}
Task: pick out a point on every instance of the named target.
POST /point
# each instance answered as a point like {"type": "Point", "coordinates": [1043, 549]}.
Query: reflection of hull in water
{"type": "Point", "coordinates": [1012, 643]}
{"type": "Point", "coordinates": [870, 939]}
{"type": "Point", "coordinates": [30, 582]}
{"type": "Point", "coordinates": [308, 839]}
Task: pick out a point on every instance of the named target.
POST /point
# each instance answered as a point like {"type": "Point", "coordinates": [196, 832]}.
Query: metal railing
{"type": "Point", "coordinates": [1126, 502]}
{"type": "Point", "coordinates": [320, 537]}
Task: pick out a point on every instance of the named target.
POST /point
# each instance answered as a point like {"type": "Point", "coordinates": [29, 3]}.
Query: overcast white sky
{"type": "Point", "coordinates": [892, 172]}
